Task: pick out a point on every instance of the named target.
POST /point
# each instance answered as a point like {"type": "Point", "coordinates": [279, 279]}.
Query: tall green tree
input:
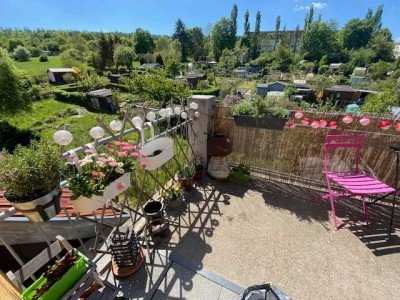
{"type": "Point", "coordinates": [13, 95]}
{"type": "Point", "coordinates": [319, 39]}
{"type": "Point", "coordinates": [255, 38]}
{"type": "Point", "coordinates": [172, 67]}
{"type": "Point", "coordinates": [181, 35]}
{"type": "Point", "coordinates": [105, 52]}
{"type": "Point", "coordinates": [277, 28]}
{"type": "Point", "coordinates": [124, 56]}
{"type": "Point", "coordinates": [234, 15]}
{"type": "Point", "coordinates": [222, 37]}
{"type": "Point", "coordinates": [196, 43]}
{"type": "Point", "coordinates": [143, 41]}
{"type": "Point", "coordinates": [296, 38]}
{"type": "Point", "coordinates": [356, 33]}
{"type": "Point", "coordinates": [309, 17]}
{"type": "Point", "coordinates": [382, 44]}
{"type": "Point", "coordinates": [246, 33]}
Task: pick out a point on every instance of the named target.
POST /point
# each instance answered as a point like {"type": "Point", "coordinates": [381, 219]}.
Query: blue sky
{"type": "Point", "coordinates": [159, 16]}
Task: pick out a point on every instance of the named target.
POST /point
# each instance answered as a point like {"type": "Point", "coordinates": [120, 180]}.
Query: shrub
{"type": "Point", "coordinates": [212, 91]}
{"type": "Point", "coordinates": [21, 54]}
{"type": "Point", "coordinates": [35, 52]}
{"type": "Point", "coordinates": [43, 58]}
{"type": "Point", "coordinates": [73, 98]}
{"type": "Point", "coordinates": [243, 108]}
{"type": "Point", "coordinates": [30, 172]}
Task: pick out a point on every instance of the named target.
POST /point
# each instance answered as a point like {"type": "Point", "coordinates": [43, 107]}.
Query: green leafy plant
{"type": "Point", "coordinates": [197, 161]}
{"type": "Point", "coordinates": [30, 172]}
{"type": "Point", "coordinates": [242, 168]}
{"type": "Point", "coordinates": [243, 108]}
{"type": "Point", "coordinates": [172, 192]}
{"type": "Point", "coordinates": [98, 172]}
{"type": "Point", "coordinates": [187, 171]}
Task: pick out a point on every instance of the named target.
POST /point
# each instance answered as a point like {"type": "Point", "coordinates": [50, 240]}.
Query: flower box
{"type": "Point", "coordinates": [62, 286]}
{"type": "Point", "coordinates": [84, 204]}
{"type": "Point", "coordinates": [273, 123]}
{"type": "Point", "coordinates": [157, 152]}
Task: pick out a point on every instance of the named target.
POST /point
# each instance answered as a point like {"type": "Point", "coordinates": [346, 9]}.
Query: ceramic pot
{"type": "Point", "coordinates": [187, 183]}
{"type": "Point", "coordinates": [41, 209]}
{"type": "Point", "coordinates": [219, 145]}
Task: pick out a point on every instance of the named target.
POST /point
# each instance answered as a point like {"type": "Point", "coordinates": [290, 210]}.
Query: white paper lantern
{"type": "Point", "coordinates": [137, 121]}
{"type": "Point", "coordinates": [63, 137]}
{"type": "Point", "coordinates": [169, 111]}
{"type": "Point", "coordinates": [193, 105]}
{"type": "Point", "coordinates": [323, 123]}
{"type": "Point", "coordinates": [196, 114]}
{"type": "Point", "coordinates": [163, 112]}
{"type": "Point", "coordinates": [184, 115]}
{"type": "Point", "coordinates": [364, 121]}
{"type": "Point", "coordinates": [116, 125]}
{"type": "Point", "coordinates": [97, 132]}
{"type": "Point", "coordinates": [151, 116]}
{"type": "Point", "coordinates": [177, 110]}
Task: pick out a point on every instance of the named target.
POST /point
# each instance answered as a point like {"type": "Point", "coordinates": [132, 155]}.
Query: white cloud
{"type": "Point", "coordinates": [317, 5]}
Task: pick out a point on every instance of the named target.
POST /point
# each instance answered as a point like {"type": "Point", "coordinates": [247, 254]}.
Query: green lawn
{"type": "Point", "coordinates": [47, 114]}
{"type": "Point", "coordinates": [35, 67]}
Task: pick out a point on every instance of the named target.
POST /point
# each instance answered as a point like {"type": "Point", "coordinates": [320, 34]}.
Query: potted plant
{"type": "Point", "coordinates": [172, 196]}
{"type": "Point", "coordinates": [261, 113]}
{"type": "Point", "coordinates": [103, 176]}
{"type": "Point", "coordinates": [241, 172]}
{"type": "Point", "coordinates": [197, 161]}
{"type": "Point", "coordinates": [186, 176]}
{"type": "Point", "coordinates": [59, 278]}
{"type": "Point", "coordinates": [31, 179]}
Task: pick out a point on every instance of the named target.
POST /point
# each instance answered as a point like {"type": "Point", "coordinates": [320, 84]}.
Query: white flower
{"type": "Point", "coordinates": [119, 170]}
{"type": "Point", "coordinates": [120, 164]}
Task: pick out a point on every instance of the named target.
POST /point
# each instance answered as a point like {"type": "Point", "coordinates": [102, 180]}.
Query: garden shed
{"type": "Point", "coordinates": [102, 100]}
{"type": "Point", "coordinates": [263, 89]}
{"type": "Point", "coordinates": [55, 75]}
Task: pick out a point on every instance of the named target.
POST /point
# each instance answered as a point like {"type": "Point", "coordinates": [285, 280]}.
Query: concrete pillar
{"type": "Point", "coordinates": [202, 126]}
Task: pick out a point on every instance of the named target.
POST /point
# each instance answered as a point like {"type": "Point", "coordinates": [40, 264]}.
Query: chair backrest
{"type": "Point", "coordinates": [27, 271]}
{"type": "Point", "coordinates": [354, 142]}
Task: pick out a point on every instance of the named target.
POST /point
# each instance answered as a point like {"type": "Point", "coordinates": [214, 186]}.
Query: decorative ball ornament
{"type": "Point", "coordinates": [62, 137]}
{"type": "Point", "coordinates": [116, 125]}
{"type": "Point", "coordinates": [292, 124]}
{"type": "Point", "coordinates": [347, 119]}
{"type": "Point", "coordinates": [323, 123]}
{"type": "Point", "coordinates": [196, 114]}
{"type": "Point", "coordinates": [163, 112]}
{"type": "Point", "coordinates": [315, 124]}
{"type": "Point", "coordinates": [305, 121]}
{"type": "Point", "coordinates": [193, 105]}
{"type": "Point", "coordinates": [384, 125]}
{"type": "Point", "coordinates": [177, 110]}
{"type": "Point", "coordinates": [184, 115]}
{"type": "Point", "coordinates": [137, 121]}
{"type": "Point", "coordinates": [97, 132]}
{"type": "Point", "coordinates": [169, 111]}
{"type": "Point", "coordinates": [332, 124]}
{"type": "Point", "coordinates": [298, 114]}
{"type": "Point", "coordinates": [151, 116]}
{"type": "Point", "coordinates": [397, 126]}
{"type": "Point", "coordinates": [364, 121]}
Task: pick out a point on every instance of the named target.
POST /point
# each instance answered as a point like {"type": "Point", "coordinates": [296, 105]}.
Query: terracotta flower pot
{"type": "Point", "coordinates": [198, 175]}
{"type": "Point", "coordinates": [187, 183]}
{"type": "Point", "coordinates": [219, 145]}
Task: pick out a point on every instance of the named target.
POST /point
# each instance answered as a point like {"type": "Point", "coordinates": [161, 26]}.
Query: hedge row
{"type": "Point", "coordinates": [73, 98]}
{"type": "Point", "coordinates": [213, 91]}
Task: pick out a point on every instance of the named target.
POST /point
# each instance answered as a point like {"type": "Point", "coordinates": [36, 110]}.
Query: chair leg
{"type": "Point", "coordinates": [333, 211]}
{"type": "Point", "coordinates": [365, 210]}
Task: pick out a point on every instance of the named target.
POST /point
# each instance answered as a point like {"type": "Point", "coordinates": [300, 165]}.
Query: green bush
{"type": "Point", "coordinates": [243, 108]}
{"type": "Point", "coordinates": [119, 87]}
{"type": "Point", "coordinates": [212, 91]}
{"type": "Point", "coordinates": [43, 58]}
{"type": "Point", "coordinates": [73, 98]}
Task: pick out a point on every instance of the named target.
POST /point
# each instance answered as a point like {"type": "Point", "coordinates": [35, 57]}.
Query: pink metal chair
{"type": "Point", "coordinates": [353, 182]}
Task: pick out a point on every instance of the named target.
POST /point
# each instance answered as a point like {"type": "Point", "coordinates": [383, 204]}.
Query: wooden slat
{"type": "Point", "coordinates": [39, 261]}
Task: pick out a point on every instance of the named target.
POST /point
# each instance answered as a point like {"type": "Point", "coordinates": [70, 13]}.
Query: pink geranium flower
{"type": "Point", "coordinates": [113, 164]}
{"type": "Point", "coordinates": [120, 185]}
{"type": "Point", "coordinates": [101, 174]}
{"type": "Point", "coordinates": [134, 155]}
{"type": "Point", "coordinates": [122, 154]}
{"type": "Point", "coordinates": [143, 155]}
{"type": "Point", "coordinates": [143, 165]}
{"type": "Point", "coordinates": [95, 173]}
{"type": "Point", "coordinates": [118, 143]}
{"type": "Point", "coordinates": [127, 148]}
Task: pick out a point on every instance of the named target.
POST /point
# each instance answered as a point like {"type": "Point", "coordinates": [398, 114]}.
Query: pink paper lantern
{"type": "Point", "coordinates": [364, 121]}
{"type": "Point", "coordinates": [292, 124]}
{"type": "Point", "coordinates": [332, 125]}
{"type": "Point", "coordinates": [315, 124]}
{"type": "Point", "coordinates": [347, 119]}
{"type": "Point", "coordinates": [384, 125]}
{"type": "Point", "coordinates": [397, 126]}
{"type": "Point", "coordinates": [323, 123]}
{"type": "Point", "coordinates": [298, 114]}
{"type": "Point", "coordinates": [305, 121]}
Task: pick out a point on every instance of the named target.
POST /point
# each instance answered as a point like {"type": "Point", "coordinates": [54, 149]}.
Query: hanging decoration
{"type": "Point", "coordinates": [305, 121]}
{"type": "Point", "coordinates": [384, 125]}
{"type": "Point", "coordinates": [347, 119]}
{"type": "Point", "coordinates": [315, 124]}
{"type": "Point", "coordinates": [364, 121]}
{"type": "Point", "coordinates": [332, 125]}
{"type": "Point", "coordinates": [323, 123]}
{"type": "Point", "coordinates": [298, 114]}
{"type": "Point", "coordinates": [292, 124]}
